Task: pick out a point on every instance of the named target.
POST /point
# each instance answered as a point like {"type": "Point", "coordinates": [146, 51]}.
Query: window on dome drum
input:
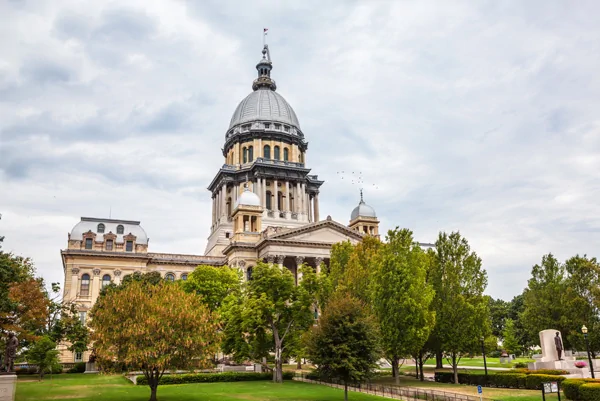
{"type": "Point", "coordinates": [100, 228]}
{"type": "Point", "coordinates": [269, 196]}
{"type": "Point", "coordinates": [89, 243]}
{"type": "Point", "coordinates": [84, 288]}
{"type": "Point", "coordinates": [279, 200]}
{"type": "Point", "coordinates": [184, 276]}
{"type": "Point", "coordinates": [277, 126]}
{"type": "Point", "coordinates": [170, 277]}
{"type": "Point", "coordinates": [286, 128]}
{"type": "Point", "coordinates": [245, 154]}
{"type": "Point", "coordinates": [120, 229]}
{"type": "Point", "coordinates": [267, 152]}
{"type": "Point", "coordinates": [249, 273]}
{"type": "Point", "coordinates": [129, 246]}
{"type": "Point", "coordinates": [267, 125]}
{"type": "Point", "coordinates": [250, 153]}
{"type": "Point", "coordinates": [276, 153]}
{"type": "Point", "coordinates": [286, 154]}
{"type": "Point", "coordinates": [109, 245]}
{"type": "Point", "coordinates": [105, 280]}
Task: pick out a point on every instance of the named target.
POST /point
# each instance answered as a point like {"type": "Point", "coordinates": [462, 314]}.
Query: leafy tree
{"type": "Point", "coordinates": [509, 338]}
{"type": "Point", "coordinates": [153, 328]}
{"type": "Point", "coordinates": [402, 297]}
{"type": "Point", "coordinates": [213, 284]}
{"type": "Point", "coordinates": [274, 304]}
{"type": "Point", "coordinates": [43, 353]}
{"type": "Point", "coordinates": [344, 344]}
{"type": "Point", "coordinates": [544, 303]}
{"type": "Point", "coordinates": [498, 314]}
{"type": "Point", "coordinates": [515, 311]}
{"type": "Point", "coordinates": [461, 309]}
{"type": "Point", "coordinates": [63, 323]}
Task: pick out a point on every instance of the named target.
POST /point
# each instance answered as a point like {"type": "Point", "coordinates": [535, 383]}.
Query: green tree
{"type": "Point", "coordinates": [153, 328]}
{"type": "Point", "coordinates": [274, 304]}
{"type": "Point", "coordinates": [499, 310]}
{"type": "Point", "coordinates": [402, 297]}
{"type": "Point", "coordinates": [461, 309]}
{"type": "Point", "coordinates": [213, 284]}
{"type": "Point", "coordinates": [344, 344]}
{"type": "Point", "coordinates": [515, 311]}
{"type": "Point", "coordinates": [43, 353]}
{"type": "Point", "coordinates": [509, 338]}
{"type": "Point", "coordinates": [544, 300]}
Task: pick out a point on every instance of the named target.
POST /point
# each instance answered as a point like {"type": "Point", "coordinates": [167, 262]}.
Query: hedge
{"type": "Point", "coordinates": [571, 387]}
{"type": "Point", "coordinates": [504, 380]}
{"type": "Point", "coordinates": [214, 377]}
{"type": "Point", "coordinates": [590, 392]}
{"type": "Point", "coordinates": [79, 367]}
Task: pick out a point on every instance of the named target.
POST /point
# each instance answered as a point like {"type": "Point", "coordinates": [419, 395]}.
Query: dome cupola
{"type": "Point", "coordinates": [248, 198]}
{"type": "Point", "coordinates": [363, 219]}
{"type": "Point", "coordinates": [362, 210]}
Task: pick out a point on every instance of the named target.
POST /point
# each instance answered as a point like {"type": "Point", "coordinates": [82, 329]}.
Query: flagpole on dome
{"type": "Point", "coordinates": [265, 36]}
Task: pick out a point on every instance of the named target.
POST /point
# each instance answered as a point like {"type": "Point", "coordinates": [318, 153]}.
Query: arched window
{"type": "Point", "coordinates": [249, 273]}
{"type": "Point", "coordinates": [105, 280]}
{"type": "Point", "coordinates": [268, 205]}
{"type": "Point", "coordinates": [84, 289]}
{"type": "Point", "coordinates": [267, 152]}
{"type": "Point", "coordinates": [245, 155]}
{"type": "Point", "coordinates": [170, 277]}
{"type": "Point", "coordinates": [276, 153]}
{"type": "Point", "coordinates": [184, 276]}
{"type": "Point", "coordinates": [250, 153]}
{"type": "Point", "coordinates": [120, 229]}
{"type": "Point", "coordinates": [101, 228]}
{"type": "Point", "coordinates": [286, 154]}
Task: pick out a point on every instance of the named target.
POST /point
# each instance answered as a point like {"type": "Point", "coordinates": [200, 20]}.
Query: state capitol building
{"type": "Point", "coordinates": [265, 206]}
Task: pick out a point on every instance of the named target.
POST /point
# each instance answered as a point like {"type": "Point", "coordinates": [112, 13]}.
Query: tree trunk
{"type": "Point", "coordinates": [299, 363]}
{"type": "Point", "coordinates": [152, 393]}
{"type": "Point", "coordinates": [345, 391]}
{"type": "Point", "coordinates": [420, 363]}
{"type": "Point", "coordinates": [439, 364]}
{"type": "Point", "coordinates": [417, 367]}
{"type": "Point", "coordinates": [455, 368]}
{"type": "Point", "coordinates": [278, 371]}
{"type": "Point", "coordinates": [395, 368]}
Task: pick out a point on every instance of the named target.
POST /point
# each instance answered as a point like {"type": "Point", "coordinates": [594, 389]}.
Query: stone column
{"type": "Point", "coordinates": [236, 193]}
{"type": "Point", "coordinates": [259, 151]}
{"type": "Point", "coordinates": [270, 259]}
{"type": "Point", "coordinates": [117, 279]}
{"type": "Point", "coordinates": [287, 196]}
{"type": "Point", "coordinates": [74, 283]}
{"type": "Point", "coordinates": [218, 208]}
{"type": "Point", "coordinates": [213, 210]}
{"type": "Point", "coordinates": [280, 259]}
{"type": "Point", "coordinates": [310, 215]}
{"type": "Point", "coordinates": [299, 261]}
{"type": "Point", "coordinates": [318, 262]}
{"type": "Point", "coordinates": [317, 206]}
{"type": "Point", "coordinates": [298, 199]}
{"type": "Point", "coordinates": [224, 200]}
{"type": "Point", "coordinates": [263, 186]}
{"type": "Point", "coordinates": [95, 285]}
{"type": "Point", "coordinates": [303, 197]}
{"type": "Point", "coordinates": [275, 196]}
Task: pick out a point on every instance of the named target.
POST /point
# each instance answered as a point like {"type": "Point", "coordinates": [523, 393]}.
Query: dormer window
{"type": "Point", "coordinates": [109, 245]}
{"type": "Point", "coordinates": [129, 246]}
{"type": "Point", "coordinates": [120, 229]}
{"type": "Point", "coordinates": [89, 243]}
{"type": "Point", "coordinates": [101, 228]}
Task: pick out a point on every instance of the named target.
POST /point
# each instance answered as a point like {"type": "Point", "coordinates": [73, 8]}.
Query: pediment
{"type": "Point", "coordinates": [329, 232]}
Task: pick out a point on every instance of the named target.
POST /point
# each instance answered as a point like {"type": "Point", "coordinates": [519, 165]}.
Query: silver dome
{"type": "Point", "coordinates": [362, 210]}
{"type": "Point", "coordinates": [248, 198]}
{"type": "Point", "coordinates": [264, 104]}
{"type": "Point", "coordinates": [110, 225]}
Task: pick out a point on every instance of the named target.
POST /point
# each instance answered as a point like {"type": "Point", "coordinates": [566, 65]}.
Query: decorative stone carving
{"type": "Point", "coordinates": [96, 272]}
{"type": "Point", "coordinates": [75, 271]}
{"type": "Point", "coordinates": [318, 261]}
{"type": "Point", "coordinates": [242, 263]}
{"type": "Point", "coordinates": [117, 273]}
{"type": "Point", "coordinates": [280, 259]}
{"type": "Point", "coordinates": [299, 260]}
{"type": "Point", "coordinates": [270, 259]}
{"type": "Point", "coordinates": [294, 216]}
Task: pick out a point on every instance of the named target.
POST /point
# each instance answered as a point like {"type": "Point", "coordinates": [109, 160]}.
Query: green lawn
{"type": "Point", "coordinates": [80, 387]}
{"type": "Point", "coordinates": [478, 361]}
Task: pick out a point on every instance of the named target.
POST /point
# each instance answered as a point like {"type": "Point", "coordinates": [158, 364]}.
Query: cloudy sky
{"type": "Point", "coordinates": [473, 116]}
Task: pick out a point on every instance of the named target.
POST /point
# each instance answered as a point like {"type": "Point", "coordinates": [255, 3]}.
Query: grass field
{"type": "Point", "coordinates": [81, 387]}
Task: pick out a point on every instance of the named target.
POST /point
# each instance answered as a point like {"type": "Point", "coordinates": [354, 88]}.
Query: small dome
{"type": "Point", "coordinates": [362, 210]}
{"type": "Point", "coordinates": [264, 105]}
{"type": "Point", "coordinates": [118, 227]}
{"type": "Point", "coordinates": [248, 198]}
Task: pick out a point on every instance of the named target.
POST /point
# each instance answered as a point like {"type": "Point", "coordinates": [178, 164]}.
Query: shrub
{"type": "Point", "coordinates": [534, 382]}
{"type": "Point", "coordinates": [78, 368]}
{"type": "Point", "coordinates": [590, 392]}
{"type": "Point", "coordinates": [509, 380]}
{"type": "Point", "coordinates": [54, 368]}
{"type": "Point", "coordinates": [26, 371]}
{"type": "Point", "coordinates": [214, 377]}
{"type": "Point", "coordinates": [571, 387]}
{"type": "Point", "coordinates": [552, 372]}
{"type": "Point", "coordinates": [520, 365]}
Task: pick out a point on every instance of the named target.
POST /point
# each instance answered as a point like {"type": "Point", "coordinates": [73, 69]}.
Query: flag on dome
{"type": "Point", "coordinates": [265, 30]}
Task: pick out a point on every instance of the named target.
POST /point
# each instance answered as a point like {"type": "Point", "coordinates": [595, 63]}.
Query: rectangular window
{"type": "Point", "coordinates": [267, 125]}
{"type": "Point", "coordinates": [78, 357]}
{"type": "Point", "coordinates": [82, 316]}
{"type": "Point", "coordinates": [286, 128]}
{"type": "Point", "coordinates": [129, 246]}
{"type": "Point", "coordinates": [277, 126]}
{"type": "Point", "coordinates": [109, 245]}
{"type": "Point", "coordinates": [88, 243]}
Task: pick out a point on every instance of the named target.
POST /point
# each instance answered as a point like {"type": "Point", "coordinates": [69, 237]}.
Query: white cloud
{"type": "Point", "coordinates": [475, 117]}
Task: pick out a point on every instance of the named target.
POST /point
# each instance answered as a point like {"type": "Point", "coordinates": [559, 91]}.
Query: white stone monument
{"type": "Point", "coordinates": [549, 353]}
{"type": "Point", "coordinates": [8, 386]}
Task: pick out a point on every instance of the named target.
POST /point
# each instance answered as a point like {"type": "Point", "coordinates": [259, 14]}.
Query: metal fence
{"type": "Point", "coordinates": [395, 392]}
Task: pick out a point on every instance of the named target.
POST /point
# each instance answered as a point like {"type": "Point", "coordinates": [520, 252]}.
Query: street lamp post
{"type": "Point", "coordinates": [584, 330]}
{"type": "Point", "coordinates": [484, 361]}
